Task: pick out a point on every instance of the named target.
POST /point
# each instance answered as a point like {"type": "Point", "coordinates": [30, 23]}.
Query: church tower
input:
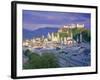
{"type": "Point", "coordinates": [49, 36]}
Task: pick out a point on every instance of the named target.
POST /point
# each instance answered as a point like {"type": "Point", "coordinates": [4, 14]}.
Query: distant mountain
{"type": "Point", "coordinates": [28, 34]}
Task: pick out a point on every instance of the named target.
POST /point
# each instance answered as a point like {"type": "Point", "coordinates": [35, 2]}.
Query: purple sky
{"type": "Point", "coordinates": [33, 20]}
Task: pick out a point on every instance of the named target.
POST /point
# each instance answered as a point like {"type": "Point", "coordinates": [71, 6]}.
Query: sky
{"type": "Point", "coordinates": [33, 20]}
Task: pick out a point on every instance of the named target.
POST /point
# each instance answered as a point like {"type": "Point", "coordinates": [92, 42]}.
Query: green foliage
{"type": "Point", "coordinates": [34, 61]}
{"type": "Point", "coordinates": [63, 34]}
{"type": "Point", "coordinates": [46, 60]}
{"type": "Point", "coordinates": [86, 35]}
{"type": "Point", "coordinates": [49, 60]}
{"type": "Point", "coordinates": [27, 52]}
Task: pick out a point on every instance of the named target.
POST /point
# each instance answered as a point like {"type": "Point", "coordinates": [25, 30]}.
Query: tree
{"type": "Point", "coordinates": [86, 35]}
{"type": "Point", "coordinates": [46, 60]}
{"type": "Point", "coordinates": [49, 60]}
{"type": "Point", "coordinates": [27, 53]}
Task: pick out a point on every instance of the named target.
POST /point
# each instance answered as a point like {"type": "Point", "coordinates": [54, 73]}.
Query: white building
{"type": "Point", "coordinates": [80, 25]}
{"type": "Point", "coordinates": [66, 26]}
{"type": "Point", "coordinates": [73, 26]}
{"type": "Point", "coordinates": [25, 44]}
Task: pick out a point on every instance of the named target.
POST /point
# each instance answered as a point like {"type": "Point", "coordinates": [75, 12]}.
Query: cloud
{"type": "Point", "coordinates": [33, 27]}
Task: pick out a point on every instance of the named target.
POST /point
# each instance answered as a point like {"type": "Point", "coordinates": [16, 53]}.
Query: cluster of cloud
{"type": "Point", "coordinates": [33, 27]}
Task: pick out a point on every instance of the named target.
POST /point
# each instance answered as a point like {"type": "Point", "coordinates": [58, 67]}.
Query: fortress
{"type": "Point", "coordinates": [71, 26]}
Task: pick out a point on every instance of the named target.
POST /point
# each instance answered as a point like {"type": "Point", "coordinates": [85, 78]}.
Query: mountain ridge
{"type": "Point", "coordinates": [28, 34]}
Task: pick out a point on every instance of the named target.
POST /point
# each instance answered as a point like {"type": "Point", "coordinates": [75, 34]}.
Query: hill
{"type": "Point", "coordinates": [28, 34]}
